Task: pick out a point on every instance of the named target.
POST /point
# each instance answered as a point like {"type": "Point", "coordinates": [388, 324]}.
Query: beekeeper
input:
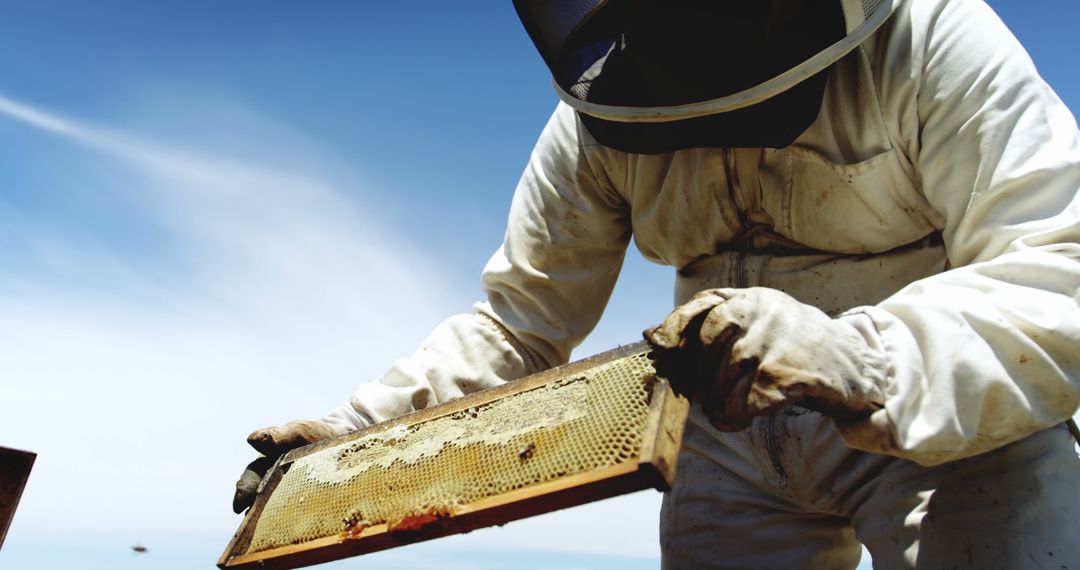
{"type": "Point", "coordinates": [872, 209]}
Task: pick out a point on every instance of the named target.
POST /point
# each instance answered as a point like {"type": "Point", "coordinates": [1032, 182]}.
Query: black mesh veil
{"type": "Point", "coordinates": [569, 34]}
{"type": "Point", "coordinates": [649, 53]}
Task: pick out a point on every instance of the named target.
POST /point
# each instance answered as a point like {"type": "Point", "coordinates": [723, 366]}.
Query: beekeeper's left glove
{"type": "Point", "coordinates": [747, 352]}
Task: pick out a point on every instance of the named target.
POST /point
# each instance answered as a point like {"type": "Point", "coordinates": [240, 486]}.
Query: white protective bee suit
{"type": "Point", "coordinates": [932, 205]}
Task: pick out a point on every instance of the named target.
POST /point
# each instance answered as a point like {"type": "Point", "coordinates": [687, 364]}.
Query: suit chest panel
{"type": "Point", "coordinates": [840, 188]}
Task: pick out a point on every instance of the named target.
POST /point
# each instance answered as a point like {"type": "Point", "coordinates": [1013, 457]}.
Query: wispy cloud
{"type": "Point", "coordinates": [271, 242]}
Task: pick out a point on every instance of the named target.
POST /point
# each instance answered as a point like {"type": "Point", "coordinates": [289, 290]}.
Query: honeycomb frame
{"type": "Point", "coordinates": [300, 516]}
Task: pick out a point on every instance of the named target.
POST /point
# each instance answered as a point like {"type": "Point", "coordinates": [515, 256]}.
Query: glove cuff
{"type": "Point", "coordinates": [872, 359]}
{"type": "Point", "coordinates": [344, 419]}
{"type": "Point", "coordinates": [873, 433]}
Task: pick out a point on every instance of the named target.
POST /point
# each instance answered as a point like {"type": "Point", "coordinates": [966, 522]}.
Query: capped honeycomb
{"type": "Point", "coordinates": [409, 474]}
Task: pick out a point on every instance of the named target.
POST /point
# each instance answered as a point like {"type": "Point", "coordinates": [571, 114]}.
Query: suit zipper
{"type": "Point", "coordinates": [773, 448]}
{"type": "Point", "coordinates": [727, 156]}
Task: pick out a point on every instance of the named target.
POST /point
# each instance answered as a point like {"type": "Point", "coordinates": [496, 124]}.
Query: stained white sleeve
{"type": "Point", "coordinates": [987, 352]}
{"type": "Point", "coordinates": [546, 286]}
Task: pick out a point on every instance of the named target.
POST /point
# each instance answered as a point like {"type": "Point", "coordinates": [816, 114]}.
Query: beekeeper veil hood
{"type": "Point", "coordinates": [651, 76]}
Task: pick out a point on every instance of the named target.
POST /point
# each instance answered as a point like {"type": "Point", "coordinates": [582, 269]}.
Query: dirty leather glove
{"type": "Point", "coordinates": [273, 442]}
{"type": "Point", "coordinates": [748, 352]}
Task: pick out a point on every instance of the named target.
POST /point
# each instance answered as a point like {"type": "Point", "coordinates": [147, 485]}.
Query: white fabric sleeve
{"type": "Point", "coordinates": [987, 352]}
{"type": "Point", "coordinates": [546, 286]}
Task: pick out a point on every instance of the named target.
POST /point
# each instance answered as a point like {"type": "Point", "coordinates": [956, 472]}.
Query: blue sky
{"type": "Point", "coordinates": [218, 216]}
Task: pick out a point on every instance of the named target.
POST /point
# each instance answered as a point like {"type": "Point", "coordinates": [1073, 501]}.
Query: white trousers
{"type": "Point", "coordinates": [787, 493]}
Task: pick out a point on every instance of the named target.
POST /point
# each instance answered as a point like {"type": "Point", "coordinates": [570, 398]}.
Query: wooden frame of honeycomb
{"type": "Point", "coordinates": [589, 430]}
